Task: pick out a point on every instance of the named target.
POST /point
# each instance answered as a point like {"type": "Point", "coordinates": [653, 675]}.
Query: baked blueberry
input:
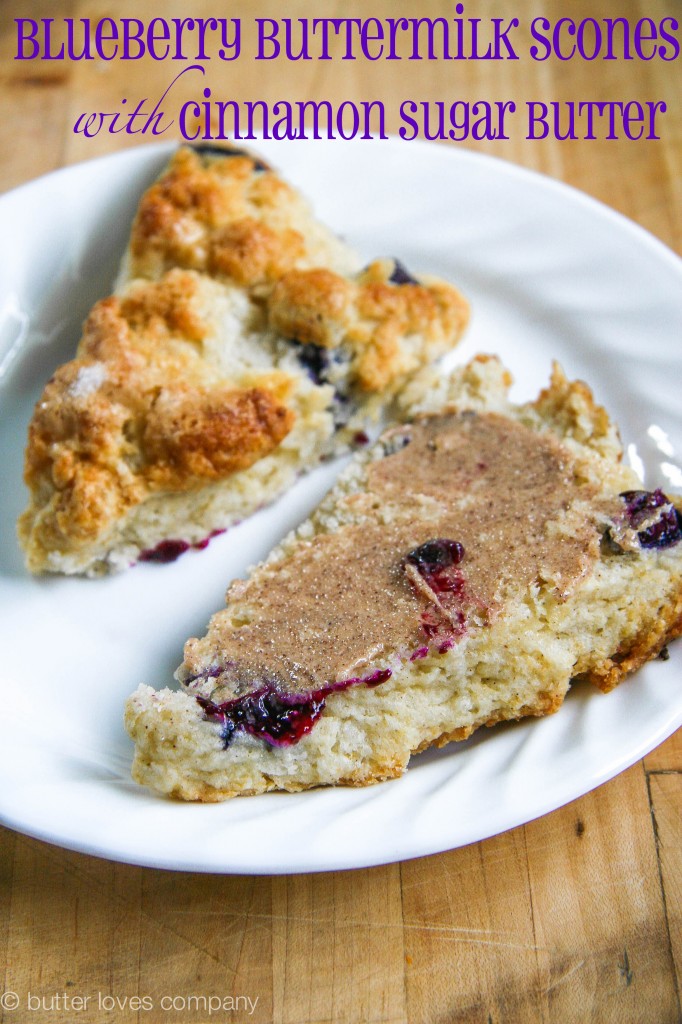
{"type": "Point", "coordinates": [642, 507]}
{"type": "Point", "coordinates": [401, 274]}
{"type": "Point", "coordinates": [209, 149]}
{"type": "Point", "coordinates": [436, 554]}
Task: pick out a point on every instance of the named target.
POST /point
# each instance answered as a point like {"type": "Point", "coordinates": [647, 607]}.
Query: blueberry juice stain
{"type": "Point", "coordinates": [281, 719]}
{"type": "Point", "coordinates": [436, 562]}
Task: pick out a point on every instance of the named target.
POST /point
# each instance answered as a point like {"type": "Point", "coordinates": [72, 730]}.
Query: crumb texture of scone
{"type": "Point", "coordinates": [242, 345]}
{"type": "Point", "coordinates": [463, 571]}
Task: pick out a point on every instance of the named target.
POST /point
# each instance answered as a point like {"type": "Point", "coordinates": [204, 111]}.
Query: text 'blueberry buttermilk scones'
{"type": "Point", "coordinates": [463, 571]}
{"type": "Point", "coordinates": [242, 345]}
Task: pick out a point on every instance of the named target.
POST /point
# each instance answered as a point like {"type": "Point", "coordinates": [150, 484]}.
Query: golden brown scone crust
{"type": "Point", "coordinates": [635, 652]}
{"type": "Point", "coordinates": [138, 411]}
{"type": "Point", "coordinates": [227, 216]}
{"type": "Point", "coordinates": [378, 320]}
{"type": "Point", "coordinates": [237, 221]}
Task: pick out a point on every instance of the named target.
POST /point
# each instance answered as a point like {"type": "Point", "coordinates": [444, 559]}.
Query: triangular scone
{"type": "Point", "coordinates": [463, 571]}
{"type": "Point", "coordinates": [196, 397]}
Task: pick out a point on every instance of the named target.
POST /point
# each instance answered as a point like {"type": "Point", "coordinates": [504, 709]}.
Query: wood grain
{"type": "Point", "coordinates": [575, 917]}
{"type": "Point", "coordinates": [666, 797]}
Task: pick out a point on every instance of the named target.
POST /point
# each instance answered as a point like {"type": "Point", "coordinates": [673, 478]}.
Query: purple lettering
{"type": "Point", "coordinates": [267, 37]}
{"type": "Point", "coordinates": [132, 33]}
{"type": "Point", "coordinates": [502, 37]}
{"type": "Point", "coordinates": [653, 109]}
{"type": "Point", "coordinates": [611, 25]}
{"type": "Point", "coordinates": [372, 31]}
{"type": "Point", "coordinates": [616, 119]}
{"type": "Point", "coordinates": [180, 25]}
{"type": "Point", "coordinates": [406, 108]}
{"type": "Point", "coordinates": [90, 120]}
{"type": "Point", "coordinates": [556, 37]}
{"type": "Point", "coordinates": [192, 108]}
{"type": "Point", "coordinates": [673, 40]}
{"type": "Point", "coordinates": [630, 118]}
{"type": "Point", "coordinates": [537, 115]}
{"type": "Point", "coordinates": [324, 24]}
{"type": "Point", "coordinates": [347, 107]}
{"type": "Point", "coordinates": [303, 53]}
{"type": "Point", "coordinates": [231, 48]}
{"type": "Point", "coordinates": [23, 37]}
{"type": "Point", "coordinates": [581, 43]}
{"type": "Point", "coordinates": [48, 55]}
{"type": "Point", "coordinates": [535, 26]}
{"type": "Point", "coordinates": [158, 32]}
{"type": "Point", "coordinates": [153, 122]}
{"type": "Point", "coordinates": [155, 119]}
{"type": "Point", "coordinates": [430, 26]}
{"type": "Point", "coordinates": [642, 36]}
{"type": "Point", "coordinates": [459, 121]}
{"type": "Point", "coordinates": [101, 38]}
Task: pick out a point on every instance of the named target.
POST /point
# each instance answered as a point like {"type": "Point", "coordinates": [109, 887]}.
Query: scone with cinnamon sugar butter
{"type": "Point", "coordinates": [464, 570]}
{"type": "Point", "coordinates": [243, 345]}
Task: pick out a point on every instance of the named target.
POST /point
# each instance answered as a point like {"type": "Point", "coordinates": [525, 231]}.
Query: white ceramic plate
{"type": "Point", "coordinates": [551, 274]}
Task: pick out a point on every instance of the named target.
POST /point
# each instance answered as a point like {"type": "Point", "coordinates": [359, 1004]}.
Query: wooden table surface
{"type": "Point", "coordinates": [574, 917]}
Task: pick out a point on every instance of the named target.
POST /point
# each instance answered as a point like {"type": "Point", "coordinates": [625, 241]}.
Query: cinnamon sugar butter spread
{"type": "Point", "coordinates": [464, 570]}
{"type": "Point", "coordinates": [456, 512]}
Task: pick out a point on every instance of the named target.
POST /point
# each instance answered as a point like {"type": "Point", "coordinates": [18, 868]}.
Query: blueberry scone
{"type": "Point", "coordinates": [242, 345]}
{"type": "Point", "coordinates": [464, 570]}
